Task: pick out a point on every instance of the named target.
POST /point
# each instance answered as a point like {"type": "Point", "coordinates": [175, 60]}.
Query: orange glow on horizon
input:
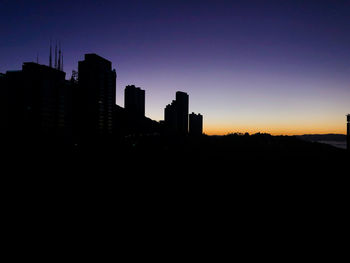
{"type": "Point", "coordinates": [291, 125]}
{"type": "Point", "coordinates": [274, 131]}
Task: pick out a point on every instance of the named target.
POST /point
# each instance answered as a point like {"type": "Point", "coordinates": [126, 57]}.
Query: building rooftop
{"type": "Point", "coordinates": [93, 56]}
{"type": "Point", "coordinates": [34, 64]}
{"type": "Point", "coordinates": [133, 87]}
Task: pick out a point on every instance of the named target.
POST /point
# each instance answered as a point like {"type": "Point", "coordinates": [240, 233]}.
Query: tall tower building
{"type": "Point", "coordinates": [348, 132]}
{"type": "Point", "coordinates": [37, 100]}
{"type": "Point", "coordinates": [196, 124]}
{"type": "Point", "coordinates": [96, 95]}
{"type": "Point", "coordinates": [170, 117]}
{"type": "Point", "coordinates": [134, 100]}
{"type": "Point", "coordinates": [176, 114]}
{"type": "Point", "coordinates": [182, 111]}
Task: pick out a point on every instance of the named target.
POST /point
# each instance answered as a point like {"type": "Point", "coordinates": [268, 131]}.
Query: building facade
{"type": "Point", "coordinates": [95, 100]}
{"type": "Point", "coordinates": [170, 118]}
{"type": "Point", "coordinates": [195, 124]}
{"type": "Point", "coordinates": [36, 101]}
{"type": "Point", "coordinates": [176, 114]}
{"type": "Point", "coordinates": [134, 100]}
{"type": "Point", "coordinates": [182, 106]}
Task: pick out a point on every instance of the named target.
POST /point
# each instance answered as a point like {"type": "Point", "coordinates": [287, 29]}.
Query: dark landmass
{"type": "Point", "coordinates": [323, 137]}
{"type": "Point", "coordinates": [336, 140]}
{"type": "Point", "coordinates": [223, 155]}
{"type": "Point", "coordinates": [249, 178]}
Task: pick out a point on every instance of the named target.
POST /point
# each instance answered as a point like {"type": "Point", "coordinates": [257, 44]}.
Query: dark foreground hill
{"type": "Point", "coordinates": [157, 154]}
{"type": "Point", "coordinates": [251, 185]}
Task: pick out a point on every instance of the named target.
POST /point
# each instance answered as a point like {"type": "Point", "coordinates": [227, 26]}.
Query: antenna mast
{"type": "Point", "coordinates": [59, 56]}
{"type": "Point", "coordinates": [56, 55]}
{"type": "Point", "coordinates": [50, 58]}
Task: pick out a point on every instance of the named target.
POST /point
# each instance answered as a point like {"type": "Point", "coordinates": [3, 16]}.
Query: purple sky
{"type": "Point", "coordinates": [281, 67]}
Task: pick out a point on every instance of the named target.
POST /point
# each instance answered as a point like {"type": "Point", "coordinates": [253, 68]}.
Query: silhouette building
{"type": "Point", "coordinates": [182, 112]}
{"type": "Point", "coordinates": [96, 96]}
{"type": "Point", "coordinates": [127, 124]}
{"type": "Point", "coordinates": [170, 117]}
{"type": "Point", "coordinates": [131, 119]}
{"type": "Point", "coordinates": [348, 132]}
{"type": "Point", "coordinates": [176, 114]}
{"type": "Point", "coordinates": [40, 102]}
{"type": "Point", "coordinates": [195, 124]}
{"type": "Point", "coordinates": [36, 101]}
{"type": "Point", "coordinates": [134, 100]}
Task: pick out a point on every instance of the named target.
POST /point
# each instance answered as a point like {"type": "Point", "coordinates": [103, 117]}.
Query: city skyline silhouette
{"type": "Point", "coordinates": [134, 97]}
{"type": "Point", "coordinates": [41, 105]}
{"type": "Point", "coordinates": [278, 68]}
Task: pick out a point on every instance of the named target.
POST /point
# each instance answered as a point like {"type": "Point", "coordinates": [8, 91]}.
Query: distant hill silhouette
{"type": "Point", "coordinates": [323, 137]}
{"type": "Point", "coordinates": [336, 140]}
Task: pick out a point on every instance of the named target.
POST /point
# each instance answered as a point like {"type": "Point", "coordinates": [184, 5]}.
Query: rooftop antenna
{"type": "Point", "coordinates": [59, 56]}
{"type": "Point", "coordinates": [50, 58]}
{"type": "Point", "coordinates": [37, 58]}
{"type": "Point", "coordinates": [62, 62]}
{"type": "Point", "coordinates": [56, 55]}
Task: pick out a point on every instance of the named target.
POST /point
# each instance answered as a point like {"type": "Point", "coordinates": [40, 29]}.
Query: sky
{"type": "Point", "coordinates": [280, 67]}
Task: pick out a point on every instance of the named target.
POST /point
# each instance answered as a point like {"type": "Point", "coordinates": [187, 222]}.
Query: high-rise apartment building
{"type": "Point", "coordinates": [195, 124]}
{"type": "Point", "coordinates": [182, 106]}
{"type": "Point", "coordinates": [134, 100]}
{"type": "Point", "coordinates": [36, 100]}
{"type": "Point", "coordinates": [176, 114]}
{"type": "Point", "coordinates": [96, 96]}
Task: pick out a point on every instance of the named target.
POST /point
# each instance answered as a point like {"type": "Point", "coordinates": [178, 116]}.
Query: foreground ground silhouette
{"type": "Point", "coordinates": [258, 185]}
{"type": "Point", "coordinates": [184, 155]}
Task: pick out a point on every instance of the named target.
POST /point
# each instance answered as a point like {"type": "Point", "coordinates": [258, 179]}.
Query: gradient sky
{"type": "Point", "coordinates": [281, 67]}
